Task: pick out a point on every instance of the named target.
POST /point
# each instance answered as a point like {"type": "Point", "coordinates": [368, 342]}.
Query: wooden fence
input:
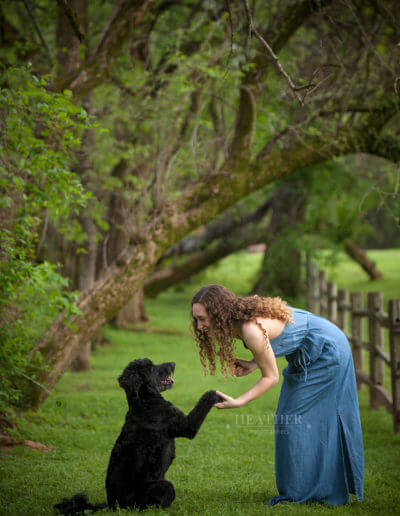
{"type": "Point", "coordinates": [324, 298]}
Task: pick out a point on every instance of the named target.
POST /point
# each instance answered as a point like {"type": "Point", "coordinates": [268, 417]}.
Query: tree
{"type": "Point", "coordinates": [197, 146]}
{"type": "Point", "coordinates": [322, 207]}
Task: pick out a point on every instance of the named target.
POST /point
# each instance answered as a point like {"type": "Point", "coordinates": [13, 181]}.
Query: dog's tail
{"type": "Point", "coordinates": [77, 505]}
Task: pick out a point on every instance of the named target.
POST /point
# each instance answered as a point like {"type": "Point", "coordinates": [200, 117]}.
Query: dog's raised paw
{"type": "Point", "coordinates": [213, 397]}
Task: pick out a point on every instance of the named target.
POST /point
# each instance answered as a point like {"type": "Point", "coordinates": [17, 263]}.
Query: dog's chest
{"type": "Point", "coordinates": [169, 449]}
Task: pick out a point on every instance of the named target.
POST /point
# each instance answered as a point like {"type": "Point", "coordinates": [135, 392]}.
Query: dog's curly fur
{"type": "Point", "coordinates": [145, 447]}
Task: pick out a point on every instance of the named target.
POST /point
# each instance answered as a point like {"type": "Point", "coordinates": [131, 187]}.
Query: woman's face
{"type": "Point", "coordinates": [201, 317]}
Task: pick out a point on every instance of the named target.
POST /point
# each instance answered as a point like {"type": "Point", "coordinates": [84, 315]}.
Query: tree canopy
{"type": "Point", "coordinates": [189, 107]}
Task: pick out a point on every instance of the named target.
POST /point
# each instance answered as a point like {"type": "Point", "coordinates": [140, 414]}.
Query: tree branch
{"type": "Point", "coordinates": [239, 238]}
{"type": "Point", "coordinates": [292, 18]}
{"type": "Point", "coordinates": [253, 30]}
{"type": "Point", "coordinates": [39, 32]}
{"type": "Point", "coordinates": [72, 19]}
{"type": "Point", "coordinates": [219, 228]}
{"type": "Point", "coordinates": [125, 15]}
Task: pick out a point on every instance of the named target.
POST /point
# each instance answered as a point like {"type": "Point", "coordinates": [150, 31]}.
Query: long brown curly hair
{"type": "Point", "coordinates": [225, 310]}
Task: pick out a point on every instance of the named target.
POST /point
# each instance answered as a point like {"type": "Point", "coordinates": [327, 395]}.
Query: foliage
{"type": "Point", "coordinates": [335, 206]}
{"type": "Point", "coordinates": [168, 92]}
{"type": "Point", "coordinates": [156, 116]}
{"type": "Point", "coordinates": [338, 205]}
{"type": "Point", "coordinates": [39, 130]}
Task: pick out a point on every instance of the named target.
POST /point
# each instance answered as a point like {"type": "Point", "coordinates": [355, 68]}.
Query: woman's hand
{"type": "Point", "coordinates": [228, 402]}
{"type": "Point", "coordinates": [244, 367]}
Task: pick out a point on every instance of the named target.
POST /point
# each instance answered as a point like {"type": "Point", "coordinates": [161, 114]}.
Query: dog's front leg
{"type": "Point", "coordinates": [188, 426]}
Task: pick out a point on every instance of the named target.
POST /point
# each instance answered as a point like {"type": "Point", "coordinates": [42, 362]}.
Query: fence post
{"type": "Point", "coordinates": [343, 308]}
{"type": "Point", "coordinates": [312, 288]}
{"type": "Point", "coordinates": [323, 294]}
{"type": "Point", "coordinates": [376, 340]}
{"type": "Point", "coordinates": [357, 333]}
{"type": "Point", "coordinates": [394, 338]}
{"type": "Point", "coordinates": [332, 301]}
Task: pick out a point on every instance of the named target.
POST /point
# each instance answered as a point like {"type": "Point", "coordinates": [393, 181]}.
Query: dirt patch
{"type": "Point", "coordinates": [7, 442]}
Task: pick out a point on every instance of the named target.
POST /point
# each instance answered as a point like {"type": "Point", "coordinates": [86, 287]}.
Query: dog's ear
{"type": "Point", "coordinates": [131, 383]}
{"type": "Point", "coordinates": [137, 376]}
{"type": "Point", "coordinates": [149, 381]}
{"type": "Point", "coordinates": [130, 380]}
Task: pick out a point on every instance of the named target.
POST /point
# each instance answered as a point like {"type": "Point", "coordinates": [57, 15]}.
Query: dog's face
{"type": "Point", "coordinates": [141, 378]}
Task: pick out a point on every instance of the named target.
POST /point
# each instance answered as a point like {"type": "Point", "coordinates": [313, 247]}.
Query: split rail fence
{"type": "Point", "coordinates": [338, 305]}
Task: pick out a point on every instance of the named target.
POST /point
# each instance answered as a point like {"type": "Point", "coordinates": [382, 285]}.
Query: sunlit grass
{"type": "Point", "coordinates": [349, 275]}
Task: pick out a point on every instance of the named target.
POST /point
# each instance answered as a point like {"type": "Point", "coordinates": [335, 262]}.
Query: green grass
{"type": "Point", "coordinates": [227, 469]}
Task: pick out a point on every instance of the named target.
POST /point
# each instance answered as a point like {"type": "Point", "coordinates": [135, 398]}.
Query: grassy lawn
{"type": "Point", "coordinates": [229, 467]}
{"type": "Point", "coordinates": [349, 275]}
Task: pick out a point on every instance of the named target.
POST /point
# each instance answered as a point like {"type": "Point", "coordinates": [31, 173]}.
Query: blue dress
{"type": "Point", "coordinates": [319, 452]}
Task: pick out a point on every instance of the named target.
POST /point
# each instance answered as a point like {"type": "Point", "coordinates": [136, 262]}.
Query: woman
{"type": "Point", "coordinates": [318, 441]}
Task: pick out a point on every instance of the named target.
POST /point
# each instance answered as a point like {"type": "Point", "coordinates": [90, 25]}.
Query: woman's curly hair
{"type": "Point", "coordinates": [225, 310]}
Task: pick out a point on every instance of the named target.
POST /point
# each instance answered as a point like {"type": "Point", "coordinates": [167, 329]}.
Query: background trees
{"type": "Point", "coordinates": [193, 115]}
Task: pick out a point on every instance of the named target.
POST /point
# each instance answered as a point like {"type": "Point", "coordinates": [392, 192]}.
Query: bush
{"type": "Point", "coordinates": [39, 132]}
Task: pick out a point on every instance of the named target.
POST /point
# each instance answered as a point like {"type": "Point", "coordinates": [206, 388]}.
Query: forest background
{"type": "Point", "coordinates": [142, 141]}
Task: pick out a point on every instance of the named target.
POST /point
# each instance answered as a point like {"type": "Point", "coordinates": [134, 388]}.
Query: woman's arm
{"type": "Point", "coordinates": [244, 367]}
{"type": "Point", "coordinates": [265, 360]}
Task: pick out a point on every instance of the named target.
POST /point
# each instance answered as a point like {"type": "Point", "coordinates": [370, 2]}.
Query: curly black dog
{"type": "Point", "coordinates": [145, 447]}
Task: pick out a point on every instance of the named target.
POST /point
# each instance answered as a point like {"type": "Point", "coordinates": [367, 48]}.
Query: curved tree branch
{"type": "Point", "coordinates": [126, 14]}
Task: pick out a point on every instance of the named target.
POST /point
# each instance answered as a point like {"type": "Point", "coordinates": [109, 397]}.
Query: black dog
{"type": "Point", "coordinates": [145, 447]}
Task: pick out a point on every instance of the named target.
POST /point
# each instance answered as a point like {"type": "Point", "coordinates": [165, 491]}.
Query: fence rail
{"type": "Point", "coordinates": [342, 307]}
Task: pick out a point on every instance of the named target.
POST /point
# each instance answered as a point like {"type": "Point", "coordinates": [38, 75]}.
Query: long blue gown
{"type": "Point", "coordinates": [319, 452]}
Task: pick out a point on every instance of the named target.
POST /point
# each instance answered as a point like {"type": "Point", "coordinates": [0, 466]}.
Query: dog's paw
{"type": "Point", "coordinates": [212, 397]}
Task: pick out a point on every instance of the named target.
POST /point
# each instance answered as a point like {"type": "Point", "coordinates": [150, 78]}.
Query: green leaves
{"type": "Point", "coordinates": [40, 129]}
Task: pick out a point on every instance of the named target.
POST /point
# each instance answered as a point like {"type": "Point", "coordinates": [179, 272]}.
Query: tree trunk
{"type": "Point", "coordinates": [115, 244]}
{"type": "Point", "coordinates": [86, 280]}
{"type": "Point", "coordinates": [69, 54]}
{"type": "Point", "coordinates": [281, 267]}
{"type": "Point", "coordinates": [280, 272]}
{"type": "Point", "coordinates": [133, 312]}
{"type": "Point", "coordinates": [70, 59]}
{"type": "Point", "coordinates": [360, 256]}
{"type": "Point", "coordinates": [82, 361]}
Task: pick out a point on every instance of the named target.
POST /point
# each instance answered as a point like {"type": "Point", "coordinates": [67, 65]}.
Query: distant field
{"type": "Point", "coordinates": [239, 272]}
{"type": "Point", "coordinates": [351, 276]}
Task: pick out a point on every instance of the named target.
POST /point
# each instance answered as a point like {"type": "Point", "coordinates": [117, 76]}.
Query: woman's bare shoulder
{"type": "Point", "coordinates": [249, 328]}
{"type": "Point", "coordinates": [273, 327]}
